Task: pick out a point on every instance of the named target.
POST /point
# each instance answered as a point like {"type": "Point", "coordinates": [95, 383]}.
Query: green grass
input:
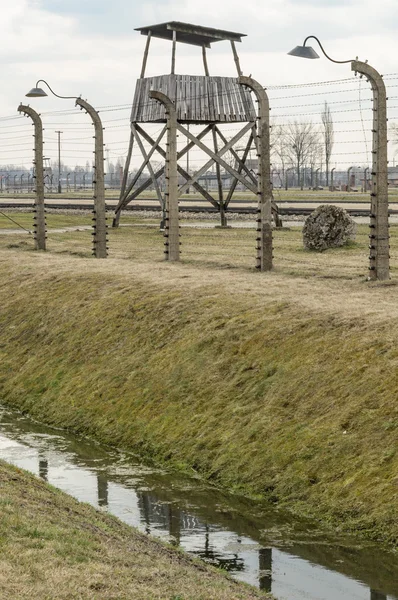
{"type": "Point", "coordinates": [292, 194]}
{"type": "Point", "coordinates": [53, 547]}
{"type": "Point", "coordinates": [10, 220]}
{"type": "Point", "coordinates": [280, 385]}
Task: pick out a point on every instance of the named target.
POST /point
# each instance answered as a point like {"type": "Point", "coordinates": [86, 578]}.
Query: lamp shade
{"type": "Point", "coordinates": [303, 52]}
{"type": "Point", "coordinates": [36, 93]}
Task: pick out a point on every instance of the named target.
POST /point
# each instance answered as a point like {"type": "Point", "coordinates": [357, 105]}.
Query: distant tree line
{"type": "Point", "coordinates": [298, 146]}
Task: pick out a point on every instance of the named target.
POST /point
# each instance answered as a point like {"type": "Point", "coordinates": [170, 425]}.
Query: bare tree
{"type": "Point", "coordinates": [301, 138]}
{"type": "Point", "coordinates": [314, 160]}
{"type": "Point", "coordinates": [393, 131]}
{"type": "Point", "coordinates": [279, 150]}
{"type": "Point", "coordinates": [328, 137]}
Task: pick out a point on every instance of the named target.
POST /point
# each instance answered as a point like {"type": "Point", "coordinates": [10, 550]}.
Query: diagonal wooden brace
{"type": "Point", "coordinates": [216, 158]}
{"type": "Point", "coordinates": [125, 199]}
{"type": "Point", "coordinates": [182, 172]}
{"type": "Point", "coordinates": [148, 162]}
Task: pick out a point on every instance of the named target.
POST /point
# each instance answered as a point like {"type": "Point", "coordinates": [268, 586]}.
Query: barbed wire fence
{"type": "Point", "coordinates": [202, 242]}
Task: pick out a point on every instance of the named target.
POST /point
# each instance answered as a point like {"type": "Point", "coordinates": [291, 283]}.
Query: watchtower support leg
{"type": "Point", "coordinates": [146, 51]}
{"type": "Point", "coordinates": [173, 53]}
{"type": "Point", "coordinates": [172, 233]}
{"type": "Point", "coordinates": [205, 61]}
{"type": "Point", "coordinates": [223, 218]}
{"type": "Point", "coordinates": [236, 59]}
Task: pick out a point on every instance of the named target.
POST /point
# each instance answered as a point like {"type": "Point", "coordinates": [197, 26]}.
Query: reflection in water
{"type": "Point", "coordinates": [144, 505]}
{"type": "Point", "coordinates": [102, 488]}
{"type": "Point", "coordinates": [43, 468]}
{"type": "Point", "coordinates": [377, 595]}
{"type": "Point", "coordinates": [174, 525]}
{"type": "Point", "coordinates": [252, 541]}
{"type": "Point", "coordinates": [265, 569]}
{"type": "Point", "coordinates": [209, 553]}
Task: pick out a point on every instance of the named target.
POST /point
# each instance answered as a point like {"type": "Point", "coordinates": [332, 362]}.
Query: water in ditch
{"type": "Point", "coordinates": [293, 559]}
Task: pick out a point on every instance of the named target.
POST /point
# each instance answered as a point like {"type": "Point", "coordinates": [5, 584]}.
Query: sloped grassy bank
{"type": "Point", "coordinates": [298, 406]}
{"type": "Point", "coordinates": [55, 548]}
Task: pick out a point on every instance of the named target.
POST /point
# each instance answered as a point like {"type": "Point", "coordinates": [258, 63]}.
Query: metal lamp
{"type": "Point", "coordinates": [100, 233]}
{"type": "Point", "coordinates": [308, 52]}
{"type": "Point", "coordinates": [303, 52]}
{"type": "Point", "coordinates": [379, 259]}
{"type": "Point", "coordinates": [38, 92]}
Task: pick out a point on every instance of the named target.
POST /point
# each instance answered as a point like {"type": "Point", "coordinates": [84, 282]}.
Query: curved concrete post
{"type": "Point", "coordinates": [331, 178]}
{"type": "Point", "coordinates": [99, 234]}
{"type": "Point", "coordinates": [317, 177]}
{"type": "Point", "coordinates": [348, 179]}
{"type": "Point", "coordinates": [365, 179]}
{"type": "Point", "coordinates": [39, 226]}
{"type": "Point", "coordinates": [171, 230]}
{"type": "Point", "coordinates": [379, 259]}
{"type": "Point", "coordinates": [264, 226]}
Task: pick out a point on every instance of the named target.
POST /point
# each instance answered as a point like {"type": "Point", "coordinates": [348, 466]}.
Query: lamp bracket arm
{"type": "Point", "coordinates": [52, 91]}
{"type": "Point", "coordinates": [340, 62]}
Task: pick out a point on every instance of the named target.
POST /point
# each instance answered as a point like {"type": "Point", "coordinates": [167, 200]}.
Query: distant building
{"type": "Point", "coordinates": [393, 176]}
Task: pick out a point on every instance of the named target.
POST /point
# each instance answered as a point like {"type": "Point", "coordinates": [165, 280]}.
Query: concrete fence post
{"type": "Point", "coordinates": [39, 226]}
{"type": "Point", "coordinates": [379, 259]}
{"type": "Point", "coordinates": [349, 179]}
{"type": "Point", "coordinates": [100, 230]}
{"type": "Point", "coordinates": [171, 230]}
{"type": "Point", "coordinates": [264, 224]}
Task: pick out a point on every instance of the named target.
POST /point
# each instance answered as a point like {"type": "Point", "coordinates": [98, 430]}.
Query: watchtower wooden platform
{"type": "Point", "coordinates": [198, 99]}
{"type": "Point", "coordinates": [204, 100]}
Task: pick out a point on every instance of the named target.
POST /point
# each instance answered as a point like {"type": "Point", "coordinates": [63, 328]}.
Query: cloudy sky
{"type": "Point", "coordinates": [89, 47]}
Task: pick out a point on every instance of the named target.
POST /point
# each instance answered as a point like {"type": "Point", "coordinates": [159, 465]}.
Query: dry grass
{"type": "Point", "coordinates": [281, 384]}
{"type": "Point", "coordinates": [53, 548]}
{"type": "Point", "coordinates": [208, 247]}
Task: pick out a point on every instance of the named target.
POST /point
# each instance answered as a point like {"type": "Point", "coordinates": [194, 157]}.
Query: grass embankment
{"type": "Point", "coordinates": [53, 547]}
{"type": "Point", "coordinates": [280, 386]}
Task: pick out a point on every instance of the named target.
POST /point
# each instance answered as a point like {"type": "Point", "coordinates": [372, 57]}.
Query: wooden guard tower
{"type": "Point", "coordinates": [199, 100]}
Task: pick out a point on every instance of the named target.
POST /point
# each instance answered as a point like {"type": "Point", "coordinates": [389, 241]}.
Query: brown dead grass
{"type": "Point", "coordinates": [331, 281]}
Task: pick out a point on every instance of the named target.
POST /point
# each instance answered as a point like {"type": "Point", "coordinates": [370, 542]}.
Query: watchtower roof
{"type": "Point", "coordinates": [190, 34]}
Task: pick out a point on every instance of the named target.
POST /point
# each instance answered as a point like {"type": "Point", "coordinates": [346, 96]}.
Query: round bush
{"type": "Point", "coordinates": [328, 227]}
